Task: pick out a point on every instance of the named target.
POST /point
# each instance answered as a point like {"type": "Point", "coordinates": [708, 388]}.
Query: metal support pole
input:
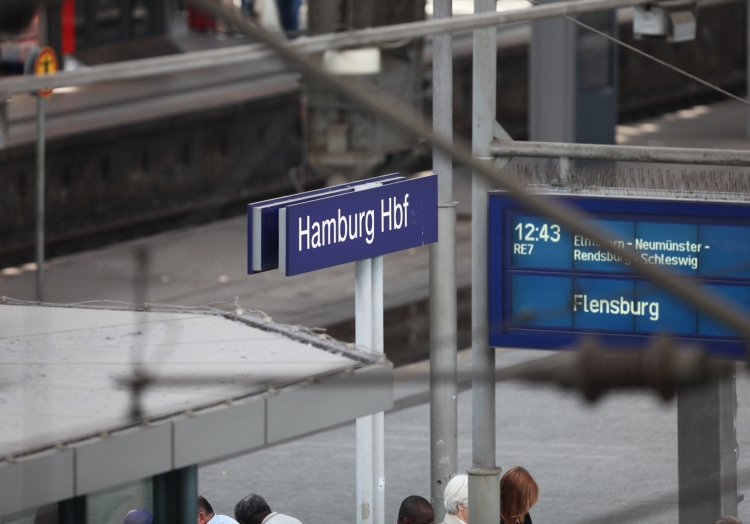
{"type": "Point", "coordinates": [40, 169]}
{"type": "Point", "coordinates": [40, 182]}
{"type": "Point", "coordinates": [484, 495]}
{"type": "Point", "coordinates": [175, 496]}
{"type": "Point", "coordinates": [483, 357]}
{"type": "Point", "coordinates": [443, 374]}
{"type": "Point", "coordinates": [443, 317]}
{"type": "Point", "coordinates": [707, 452]}
{"type": "Point", "coordinates": [378, 419]}
{"type": "Point", "coordinates": [4, 122]}
{"type": "Point", "coordinates": [187, 494]}
{"type": "Point", "coordinates": [552, 105]}
{"type": "Point", "coordinates": [364, 430]}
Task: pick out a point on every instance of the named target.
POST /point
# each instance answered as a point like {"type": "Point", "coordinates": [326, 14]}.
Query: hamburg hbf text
{"type": "Point", "coordinates": [362, 224]}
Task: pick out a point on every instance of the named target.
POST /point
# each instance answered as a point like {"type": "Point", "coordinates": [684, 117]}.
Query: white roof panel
{"type": "Point", "coordinates": [62, 388]}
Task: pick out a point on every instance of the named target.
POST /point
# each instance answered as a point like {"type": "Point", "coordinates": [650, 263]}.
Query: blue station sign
{"type": "Point", "coordinates": [549, 286]}
{"type": "Point", "coordinates": [263, 221]}
{"type": "Point", "coordinates": [371, 221]}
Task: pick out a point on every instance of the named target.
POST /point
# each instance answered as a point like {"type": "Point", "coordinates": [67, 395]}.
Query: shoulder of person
{"type": "Point", "coordinates": [280, 518]}
{"type": "Point", "coordinates": [223, 519]}
{"type": "Point", "coordinates": [451, 519]}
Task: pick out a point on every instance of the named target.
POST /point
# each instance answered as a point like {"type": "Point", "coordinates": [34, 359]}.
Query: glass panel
{"type": "Point", "coordinates": [111, 505]}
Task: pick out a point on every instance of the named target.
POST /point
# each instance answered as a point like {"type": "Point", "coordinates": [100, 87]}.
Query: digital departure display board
{"type": "Point", "coordinates": [548, 286]}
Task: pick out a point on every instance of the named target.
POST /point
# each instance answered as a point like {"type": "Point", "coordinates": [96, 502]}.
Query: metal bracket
{"type": "Point", "coordinates": [499, 133]}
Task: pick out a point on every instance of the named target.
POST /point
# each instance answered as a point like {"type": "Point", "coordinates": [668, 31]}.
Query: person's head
{"type": "Point", "coordinates": [728, 520]}
{"type": "Point", "coordinates": [251, 510]}
{"type": "Point", "coordinates": [518, 492]}
{"type": "Point", "coordinates": [138, 516]}
{"type": "Point", "coordinates": [416, 510]}
{"type": "Point", "coordinates": [456, 497]}
{"type": "Point", "coordinates": [205, 511]}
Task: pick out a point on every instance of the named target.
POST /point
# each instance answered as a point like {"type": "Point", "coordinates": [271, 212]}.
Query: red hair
{"type": "Point", "coordinates": [518, 493]}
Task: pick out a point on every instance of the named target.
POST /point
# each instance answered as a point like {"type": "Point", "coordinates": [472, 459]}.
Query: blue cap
{"type": "Point", "coordinates": [138, 516]}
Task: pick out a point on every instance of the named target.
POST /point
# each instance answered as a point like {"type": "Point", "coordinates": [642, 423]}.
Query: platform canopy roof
{"type": "Point", "coordinates": [217, 385]}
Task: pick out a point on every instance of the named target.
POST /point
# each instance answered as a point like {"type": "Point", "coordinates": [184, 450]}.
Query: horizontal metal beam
{"type": "Point", "coordinates": [671, 155]}
{"type": "Point", "coordinates": [147, 67]}
{"type": "Point", "coordinates": [136, 69]}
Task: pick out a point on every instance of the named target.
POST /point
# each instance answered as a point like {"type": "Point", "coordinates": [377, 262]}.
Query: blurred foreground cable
{"type": "Point", "coordinates": [593, 370]}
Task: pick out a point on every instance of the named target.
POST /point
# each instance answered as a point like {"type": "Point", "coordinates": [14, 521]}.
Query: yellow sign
{"type": "Point", "coordinates": [45, 64]}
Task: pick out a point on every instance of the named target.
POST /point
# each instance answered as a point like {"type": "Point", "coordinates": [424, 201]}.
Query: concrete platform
{"type": "Point", "coordinates": [208, 264]}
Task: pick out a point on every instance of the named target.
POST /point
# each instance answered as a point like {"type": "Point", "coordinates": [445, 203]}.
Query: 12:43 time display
{"type": "Point", "coordinates": [547, 233]}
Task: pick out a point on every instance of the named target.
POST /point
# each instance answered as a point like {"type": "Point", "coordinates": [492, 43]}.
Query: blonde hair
{"type": "Point", "coordinates": [518, 493]}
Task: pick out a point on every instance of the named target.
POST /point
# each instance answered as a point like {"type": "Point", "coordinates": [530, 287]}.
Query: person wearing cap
{"type": "Point", "coordinates": [138, 516]}
{"type": "Point", "coordinates": [254, 509]}
{"type": "Point", "coordinates": [206, 514]}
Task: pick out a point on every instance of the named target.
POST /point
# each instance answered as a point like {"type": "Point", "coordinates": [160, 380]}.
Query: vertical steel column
{"type": "Point", "coordinates": [187, 494]}
{"type": "Point", "coordinates": [40, 170]}
{"type": "Point", "coordinates": [484, 477]}
{"type": "Point", "coordinates": [175, 495]}
{"type": "Point", "coordinates": [443, 317]}
{"type": "Point", "coordinates": [363, 338]}
{"type": "Point", "coordinates": [40, 190]}
{"type": "Point", "coordinates": [378, 419]}
{"type": "Point", "coordinates": [483, 357]}
{"type": "Point", "coordinates": [484, 495]}
{"type": "Point", "coordinates": [4, 122]}
{"type": "Point", "coordinates": [707, 452]}
{"type": "Point", "coordinates": [443, 375]}
{"type": "Point", "coordinates": [552, 80]}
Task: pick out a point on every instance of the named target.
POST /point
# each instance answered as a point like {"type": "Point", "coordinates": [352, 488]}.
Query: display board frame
{"type": "Point", "coordinates": [508, 331]}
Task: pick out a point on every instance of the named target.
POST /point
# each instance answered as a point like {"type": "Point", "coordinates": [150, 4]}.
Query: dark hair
{"type": "Point", "coordinates": [204, 506]}
{"type": "Point", "coordinates": [413, 507]}
{"type": "Point", "coordinates": [249, 509]}
{"type": "Point", "coordinates": [518, 492]}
